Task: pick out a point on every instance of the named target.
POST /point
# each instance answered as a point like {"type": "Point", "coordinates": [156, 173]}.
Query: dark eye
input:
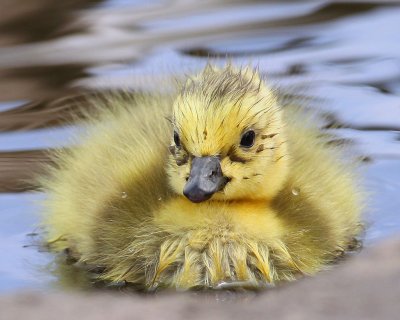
{"type": "Point", "coordinates": [248, 138]}
{"type": "Point", "coordinates": [177, 140]}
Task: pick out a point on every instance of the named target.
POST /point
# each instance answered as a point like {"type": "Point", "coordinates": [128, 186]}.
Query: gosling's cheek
{"type": "Point", "coordinates": [232, 170]}
{"type": "Point", "coordinates": [226, 167]}
{"type": "Point", "coordinates": [185, 173]}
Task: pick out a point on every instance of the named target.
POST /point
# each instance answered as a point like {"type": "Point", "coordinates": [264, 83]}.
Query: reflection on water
{"type": "Point", "coordinates": [54, 54]}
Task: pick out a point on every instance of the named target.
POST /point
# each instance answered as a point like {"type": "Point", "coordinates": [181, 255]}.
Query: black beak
{"type": "Point", "coordinates": [205, 179]}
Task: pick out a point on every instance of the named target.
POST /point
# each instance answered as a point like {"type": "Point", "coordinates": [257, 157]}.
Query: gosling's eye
{"type": "Point", "coordinates": [177, 140]}
{"type": "Point", "coordinates": [248, 138]}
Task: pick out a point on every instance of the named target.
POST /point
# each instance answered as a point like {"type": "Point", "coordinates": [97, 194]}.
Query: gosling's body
{"type": "Point", "coordinates": [288, 204]}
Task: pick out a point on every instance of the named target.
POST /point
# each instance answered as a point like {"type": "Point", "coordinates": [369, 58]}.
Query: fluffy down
{"type": "Point", "coordinates": [291, 204]}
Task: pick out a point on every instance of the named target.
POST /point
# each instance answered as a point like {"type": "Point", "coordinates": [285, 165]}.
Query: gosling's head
{"type": "Point", "coordinates": [228, 141]}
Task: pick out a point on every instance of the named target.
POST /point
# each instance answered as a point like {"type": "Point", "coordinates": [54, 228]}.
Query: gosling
{"type": "Point", "coordinates": [217, 184]}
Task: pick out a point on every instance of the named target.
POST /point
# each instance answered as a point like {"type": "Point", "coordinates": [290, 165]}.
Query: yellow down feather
{"type": "Point", "coordinates": [292, 203]}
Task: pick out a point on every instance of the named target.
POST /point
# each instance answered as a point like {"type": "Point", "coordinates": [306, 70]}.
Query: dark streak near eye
{"type": "Point", "coordinates": [182, 161]}
{"type": "Point", "coordinates": [169, 120]}
{"type": "Point", "coordinates": [236, 158]}
{"type": "Point", "coordinates": [246, 178]}
{"type": "Point", "coordinates": [265, 136]}
{"type": "Point", "coordinates": [260, 148]}
{"type": "Point", "coordinates": [181, 157]}
{"type": "Point", "coordinates": [172, 150]}
{"type": "Point", "coordinates": [205, 134]}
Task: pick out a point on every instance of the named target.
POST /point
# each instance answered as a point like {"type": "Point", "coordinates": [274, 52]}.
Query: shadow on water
{"type": "Point", "coordinates": [41, 20]}
{"type": "Point", "coordinates": [56, 54]}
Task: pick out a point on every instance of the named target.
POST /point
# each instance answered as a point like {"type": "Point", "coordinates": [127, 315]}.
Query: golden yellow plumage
{"type": "Point", "coordinates": [269, 199]}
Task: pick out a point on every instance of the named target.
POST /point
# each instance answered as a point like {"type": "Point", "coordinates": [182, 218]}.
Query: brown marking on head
{"type": "Point", "coordinates": [172, 149]}
{"type": "Point", "coordinates": [182, 161]}
{"type": "Point", "coordinates": [205, 134]}
{"type": "Point", "coordinates": [234, 157]}
{"type": "Point", "coordinates": [266, 136]}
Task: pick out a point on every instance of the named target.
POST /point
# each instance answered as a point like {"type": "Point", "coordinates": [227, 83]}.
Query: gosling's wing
{"type": "Point", "coordinates": [116, 169]}
{"type": "Point", "coordinates": [323, 194]}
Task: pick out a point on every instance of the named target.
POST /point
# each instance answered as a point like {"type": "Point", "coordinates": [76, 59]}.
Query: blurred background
{"type": "Point", "coordinates": [342, 55]}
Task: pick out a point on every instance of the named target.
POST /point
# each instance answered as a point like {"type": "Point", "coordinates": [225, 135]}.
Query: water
{"type": "Point", "coordinates": [345, 54]}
